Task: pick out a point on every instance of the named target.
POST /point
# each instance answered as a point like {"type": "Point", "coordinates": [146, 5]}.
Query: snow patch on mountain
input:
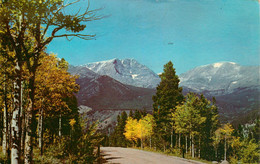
{"type": "Point", "coordinates": [217, 65]}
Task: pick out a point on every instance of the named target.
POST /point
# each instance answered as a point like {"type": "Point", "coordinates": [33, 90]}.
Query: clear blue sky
{"type": "Point", "coordinates": [190, 33]}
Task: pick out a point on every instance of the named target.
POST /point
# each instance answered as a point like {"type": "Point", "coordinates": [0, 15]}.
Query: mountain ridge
{"type": "Point", "coordinates": [127, 71]}
{"type": "Point", "coordinates": [225, 76]}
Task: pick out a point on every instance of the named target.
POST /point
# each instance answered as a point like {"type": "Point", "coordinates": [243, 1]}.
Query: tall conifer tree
{"type": "Point", "coordinates": [168, 96]}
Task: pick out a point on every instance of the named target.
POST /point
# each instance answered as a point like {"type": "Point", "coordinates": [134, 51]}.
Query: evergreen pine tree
{"type": "Point", "coordinates": [206, 130]}
{"type": "Point", "coordinates": [168, 96]}
{"type": "Point", "coordinates": [137, 115]}
{"type": "Point", "coordinates": [144, 112]}
{"type": "Point", "coordinates": [131, 114]}
{"type": "Point", "coordinates": [118, 138]}
{"type": "Point", "coordinates": [122, 139]}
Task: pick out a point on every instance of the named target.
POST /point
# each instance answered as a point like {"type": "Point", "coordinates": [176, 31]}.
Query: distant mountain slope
{"type": "Point", "coordinates": [103, 92]}
{"type": "Point", "coordinates": [221, 78]}
{"type": "Point", "coordinates": [236, 88]}
{"type": "Point", "coordinates": [82, 72]}
{"type": "Point", "coordinates": [127, 71]}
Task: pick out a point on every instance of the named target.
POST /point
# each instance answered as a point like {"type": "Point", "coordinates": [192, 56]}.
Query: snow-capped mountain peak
{"type": "Point", "coordinates": [224, 76]}
{"type": "Point", "coordinates": [218, 65]}
{"type": "Point", "coordinates": [127, 71]}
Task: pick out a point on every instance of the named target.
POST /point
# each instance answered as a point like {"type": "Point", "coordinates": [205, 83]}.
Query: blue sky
{"type": "Point", "coordinates": [190, 33]}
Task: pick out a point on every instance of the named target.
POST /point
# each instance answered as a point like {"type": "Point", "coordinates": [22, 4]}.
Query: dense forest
{"type": "Point", "coordinates": [186, 126]}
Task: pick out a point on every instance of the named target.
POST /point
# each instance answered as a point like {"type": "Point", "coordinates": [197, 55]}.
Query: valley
{"type": "Point", "coordinates": [110, 87]}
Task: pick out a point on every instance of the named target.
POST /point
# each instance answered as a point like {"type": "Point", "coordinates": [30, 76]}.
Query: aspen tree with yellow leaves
{"type": "Point", "coordinates": [27, 27]}
{"type": "Point", "coordinates": [139, 129]}
{"type": "Point", "coordinates": [226, 134]}
{"type": "Point", "coordinates": [144, 128]}
{"type": "Point", "coordinates": [53, 85]}
{"type": "Point", "coordinates": [130, 129]}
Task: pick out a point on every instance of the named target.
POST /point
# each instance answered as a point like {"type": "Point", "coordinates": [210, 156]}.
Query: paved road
{"type": "Point", "coordinates": [117, 155]}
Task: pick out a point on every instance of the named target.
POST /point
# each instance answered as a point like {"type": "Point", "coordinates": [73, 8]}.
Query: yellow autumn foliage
{"type": "Point", "coordinates": [139, 129]}
{"type": "Point", "coordinates": [130, 129]}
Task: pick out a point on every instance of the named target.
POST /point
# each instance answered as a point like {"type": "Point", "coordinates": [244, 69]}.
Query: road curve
{"type": "Point", "coordinates": [118, 155]}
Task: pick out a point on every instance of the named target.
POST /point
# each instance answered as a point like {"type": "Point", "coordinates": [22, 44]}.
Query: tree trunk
{"type": "Point", "coordinates": [15, 156]}
{"type": "Point", "coordinates": [141, 143]}
{"type": "Point", "coordinates": [15, 124]}
{"type": "Point", "coordinates": [186, 143]}
{"type": "Point", "coordinates": [28, 150]}
{"type": "Point", "coordinates": [180, 140]}
{"type": "Point", "coordinates": [40, 131]}
{"type": "Point", "coordinates": [176, 140]}
{"type": "Point", "coordinates": [216, 153]}
{"type": "Point", "coordinates": [193, 153]}
{"type": "Point", "coordinates": [199, 146]}
{"type": "Point", "coordinates": [21, 125]}
{"type": "Point", "coordinates": [190, 145]}
{"type": "Point", "coordinates": [150, 142]}
{"type": "Point", "coordinates": [5, 131]}
{"type": "Point", "coordinates": [60, 126]}
{"type": "Point", "coordinates": [23, 132]}
{"type": "Point", "coordinates": [225, 155]}
{"type": "Point", "coordinates": [171, 141]}
{"type": "Point", "coordinates": [28, 138]}
{"type": "Point", "coordinates": [9, 127]}
{"type": "Point", "coordinates": [5, 122]}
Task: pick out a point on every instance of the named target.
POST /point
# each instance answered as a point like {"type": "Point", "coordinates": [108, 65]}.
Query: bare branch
{"type": "Point", "coordinates": [81, 36]}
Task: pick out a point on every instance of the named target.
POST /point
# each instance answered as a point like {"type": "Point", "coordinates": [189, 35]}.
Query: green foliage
{"type": "Point", "coordinates": [79, 147]}
{"type": "Point", "coordinates": [117, 137]}
{"type": "Point", "coordinates": [131, 114]}
{"type": "Point", "coordinates": [87, 144]}
{"type": "Point", "coordinates": [250, 152]}
{"type": "Point", "coordinates": [137, 114]}
{"type": "Point", "coordinates": [63, 64]}
{"type": "Point", "coordinates": [168, 96]}
{"type": "Point", "coordinates": [255, 133]}
{"type": "Point", "coordinates": [244, 151]}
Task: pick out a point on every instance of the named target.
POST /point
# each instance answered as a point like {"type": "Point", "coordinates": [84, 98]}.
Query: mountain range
{"type": "Point", "coordinates": [221, 78]}
{"type": "Point", "coordinates": [119, 85]}
{"type": "Point", "coordinates": [235, 87]}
